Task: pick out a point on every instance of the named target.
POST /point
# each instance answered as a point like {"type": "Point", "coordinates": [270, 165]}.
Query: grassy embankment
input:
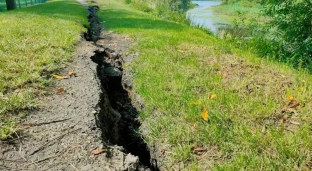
{"type": "Point", "coordinates": [259, 111]}
{"type": "Point", "coordinates": [34, 43]}
{"type": "Point", "coordinates": [248, 9]}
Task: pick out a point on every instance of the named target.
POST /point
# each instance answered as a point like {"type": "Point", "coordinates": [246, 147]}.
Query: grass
{"type": "Point", "coordinates": [238, 7]}
{"type": "Point", "coordinates": [239, 10]}
{"type": "Point", "coordinates": [252, 125]}
{"type": "Point", "coordinates": [34, 43]}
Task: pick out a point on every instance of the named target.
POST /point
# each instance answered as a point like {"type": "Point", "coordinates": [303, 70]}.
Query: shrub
{"type": "Point", "coordinates": [128, 1]}
{"type": "Point", "coordinates": [293, 22]}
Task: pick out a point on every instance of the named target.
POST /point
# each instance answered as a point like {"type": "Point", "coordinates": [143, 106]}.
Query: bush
{"type": "Point", "coordinates": [292, 21]}
{"type": "Point", "coordinates": [142, 6]}
{"type": "Point", "coordinates": [286, 37]}
{"type": "Point", "coordinates": [127, 1]}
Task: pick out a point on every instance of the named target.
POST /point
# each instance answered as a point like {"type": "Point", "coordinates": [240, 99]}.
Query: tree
{"type": "Point", "coordinates": [293, 21]}
{"type": "Point", "coordinates": [11, 4]}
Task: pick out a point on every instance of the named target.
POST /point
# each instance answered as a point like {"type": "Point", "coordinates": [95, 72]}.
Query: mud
{"type": "Point", "coordinates": [97, 111]}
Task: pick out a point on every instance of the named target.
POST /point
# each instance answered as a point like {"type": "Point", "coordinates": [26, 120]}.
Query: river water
{"type": "Point", "coordinates": [203, 16]}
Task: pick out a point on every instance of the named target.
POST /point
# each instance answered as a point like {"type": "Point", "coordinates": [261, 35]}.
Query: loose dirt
{"type": "Point", "coordinates": [78, 126]}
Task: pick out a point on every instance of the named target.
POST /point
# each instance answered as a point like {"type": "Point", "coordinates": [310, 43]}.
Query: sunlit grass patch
{"type": "Point", "coordinates": [34, 43]}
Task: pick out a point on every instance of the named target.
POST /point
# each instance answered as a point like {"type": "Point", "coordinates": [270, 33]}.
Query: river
{"type": "Point", "coordinates": [203, 16]}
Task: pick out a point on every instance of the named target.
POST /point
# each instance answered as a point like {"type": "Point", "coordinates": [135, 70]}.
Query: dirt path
{"type": "Point", "coordinates": [77, 129]}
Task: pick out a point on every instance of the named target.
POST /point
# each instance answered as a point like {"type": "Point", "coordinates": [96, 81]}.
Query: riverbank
{"type": "Point", "coordinates": [208, 105]}
{"type": "Point", "coordinates": [239, 8]}
{"type": "Point", "coordinates": [204, 17]}
{"type": "Point", "coordinates": [203, 104]}
{"type": "Point", "coordinates": [220, 18]}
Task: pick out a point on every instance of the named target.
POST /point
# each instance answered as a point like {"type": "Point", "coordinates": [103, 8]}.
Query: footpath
{"type": "Point", "coordinates": [64, 133]}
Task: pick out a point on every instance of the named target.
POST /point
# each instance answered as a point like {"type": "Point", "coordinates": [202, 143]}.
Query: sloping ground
{"type": "Point", "coordinates": [63, 132]}
{"type": "Point", "coordinates": [258, 112]}
{"type": "Point", "coordinates": [34, 43]}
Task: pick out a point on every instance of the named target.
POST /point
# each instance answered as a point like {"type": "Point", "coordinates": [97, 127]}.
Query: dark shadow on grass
{"type": "Point", "coordinates": [127, 19]}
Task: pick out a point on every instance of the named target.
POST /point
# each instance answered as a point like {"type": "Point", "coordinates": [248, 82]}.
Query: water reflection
{"type": "Point", "coordinates": [203, 16]}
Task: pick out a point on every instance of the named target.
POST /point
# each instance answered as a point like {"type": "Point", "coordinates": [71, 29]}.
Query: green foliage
{"type": "Point", "coordinates": [177, 5]}
{"type": "Point", "coordinates": [245, 1]}
{"type": "Point", "coordinates": [161, 6]}
{"type": "Point", "coordinates": [293, 23]}
{"type": "Point", "coordinates": [168, 9]}
{"type": "Point", "coordinates": [142, 6]}
{"type": "Point", "coordinates": [283, 33]}
{"type": "Point", "coordinates": [128, 1]}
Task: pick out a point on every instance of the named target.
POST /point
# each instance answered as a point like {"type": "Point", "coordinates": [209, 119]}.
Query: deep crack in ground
{"type": "Point", "coordinates": [117, 118]}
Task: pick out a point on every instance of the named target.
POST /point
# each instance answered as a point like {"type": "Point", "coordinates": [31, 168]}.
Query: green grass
{"type": "Point", "coordinates": [234, 8]}
{"type": "Point", "coordinates": [34, 43]}
{"type": "Point", "coordinates": [180, 66]}
{"type": "Point", "coordinates": [239, 10]}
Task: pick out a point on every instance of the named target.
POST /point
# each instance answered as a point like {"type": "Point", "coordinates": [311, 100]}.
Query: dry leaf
{"type": "Point", "coordinates": [294, 123]}
{"type": "Point", "coordinates": [29, 124]}
{"type": "Point", "coordinates": [59, 77]}
{"type": "Point", "coordinates": [212, 96]}
{"type": "Point", "coordinates": [290, 97]}
{"type": "Point", "coordinates": [293, 104]}
{"type": "Point", "coordinates": [98, 151]}
{"type": "Point", "coordinates": [199, 149]}
{"type": "Point", "coordinates": [205, 115]}
{"type": "Point", "coordinates": [163, 152]}
{"type": "Point", "coordinates": [71, 73]}
{"type": "Point", "coordinates": [60, 91]}
{"type": "Point", "coordinates": [223, 75]}
{"type": "Point", "coordinates": [181, 51]}
{"type": "Point", "coordinates": [285, 118]}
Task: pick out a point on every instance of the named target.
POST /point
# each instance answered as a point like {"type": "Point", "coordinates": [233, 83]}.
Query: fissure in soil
{"type": "Point", "coordinates": [117, 118]}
